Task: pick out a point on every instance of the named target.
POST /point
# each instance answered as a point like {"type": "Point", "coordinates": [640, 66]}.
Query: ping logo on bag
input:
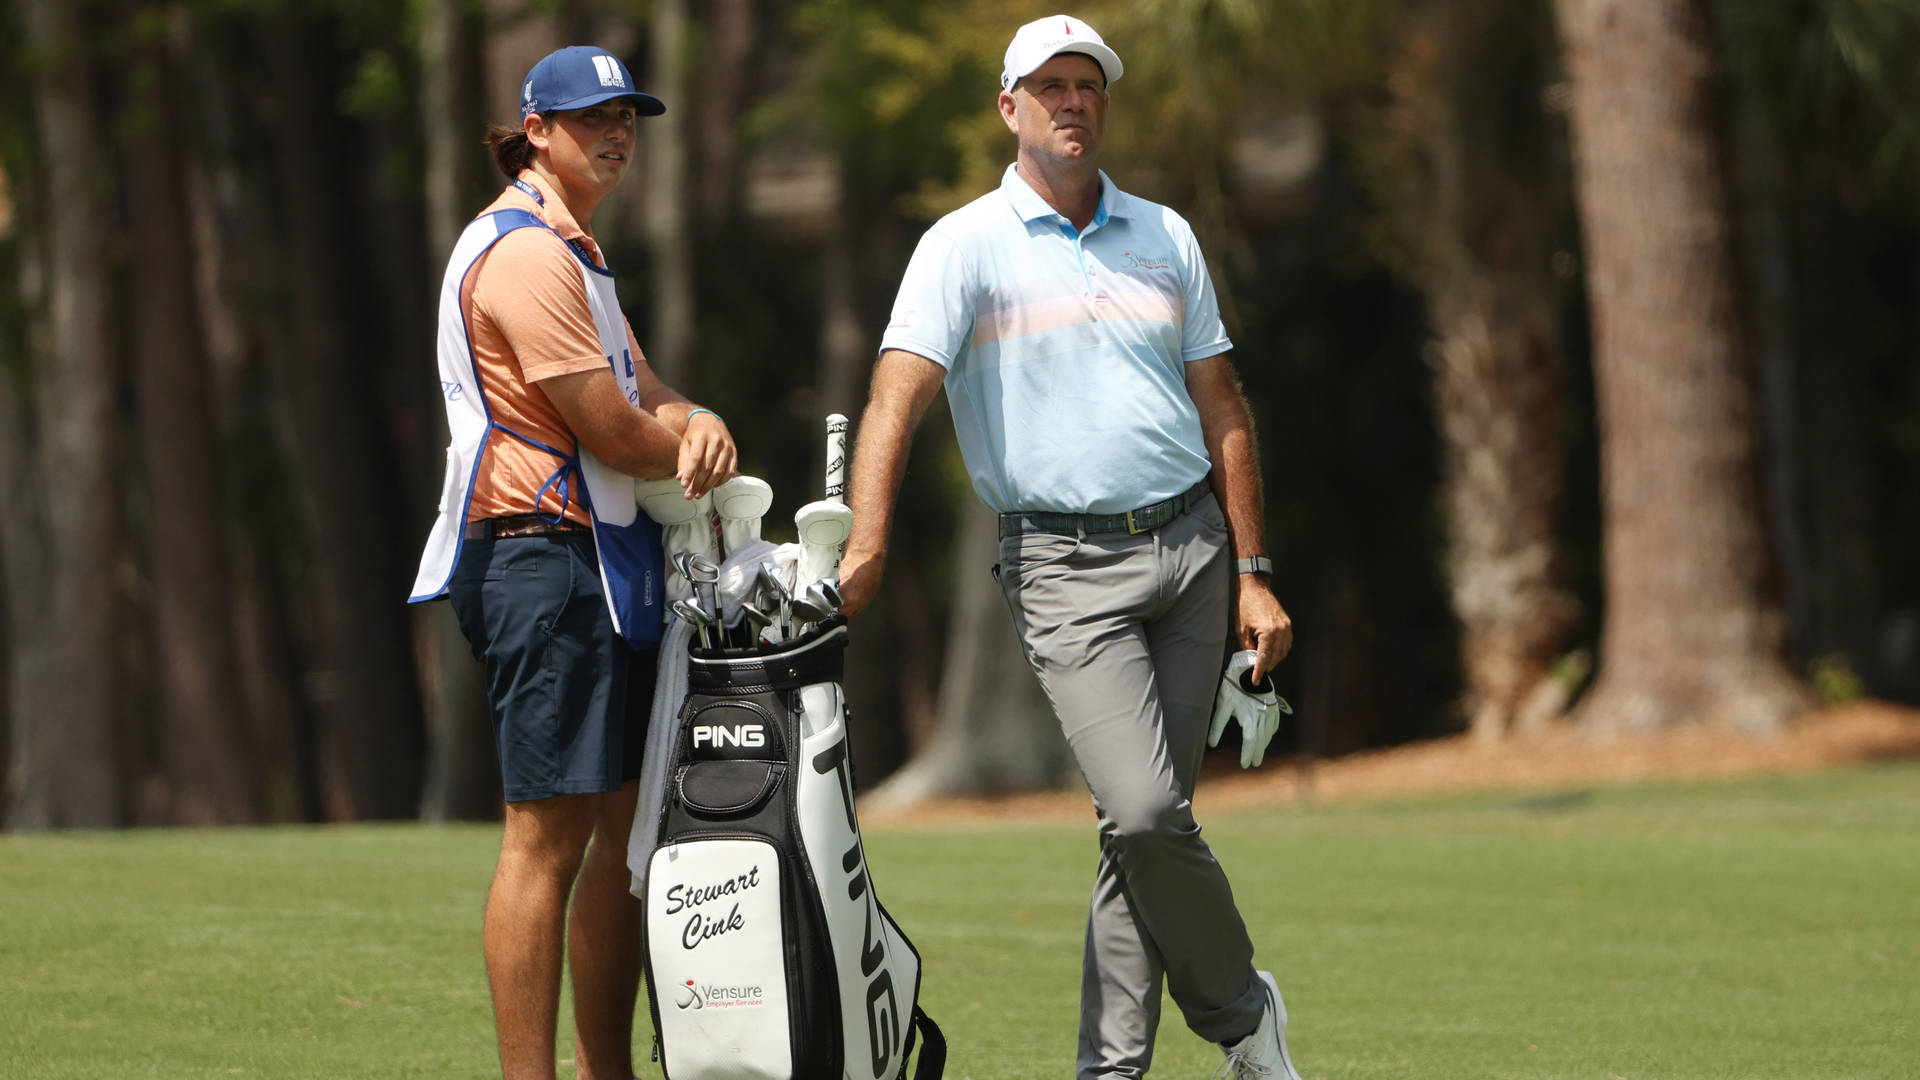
{"type": "Point", "coordinates": [748, 735]}
{"type": "Point", "coordinates": [731, 730]}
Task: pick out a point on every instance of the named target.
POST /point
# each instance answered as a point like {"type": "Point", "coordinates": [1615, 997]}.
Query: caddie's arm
{"type": "Point", "coordinates": [903, 386]}
{"type": "Point", "coordinates": [628, 439]}
{"type": "Point", "coordinates": [708, 456]}
{"type": "Point", "coordinates": [1227, 426]}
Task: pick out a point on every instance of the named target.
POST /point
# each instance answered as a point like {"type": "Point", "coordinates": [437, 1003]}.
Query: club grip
{"type": "Point", "coordinates": [837, 458]}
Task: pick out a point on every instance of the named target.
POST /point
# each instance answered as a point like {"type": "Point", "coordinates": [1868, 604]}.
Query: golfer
{"type": "Point", "coordinates": [551, 570]}
{"type": "Point", "coordinates": [1076, 332]}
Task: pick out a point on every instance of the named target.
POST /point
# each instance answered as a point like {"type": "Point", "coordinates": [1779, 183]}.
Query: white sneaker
{"type": "Point", "coordinates": [1263, 1054]}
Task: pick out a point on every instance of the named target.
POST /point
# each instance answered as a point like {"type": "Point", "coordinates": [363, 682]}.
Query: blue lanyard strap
{"type": "Point", "coordinates": [558, 481]}
{"type": "Point", "coordinates": [531, 190]}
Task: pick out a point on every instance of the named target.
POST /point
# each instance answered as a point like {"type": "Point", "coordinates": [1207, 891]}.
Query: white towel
{"type": "Point", "coordinates": [663, 732]}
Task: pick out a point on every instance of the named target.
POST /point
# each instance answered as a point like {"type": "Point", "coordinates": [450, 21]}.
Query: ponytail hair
{"type": "Point", "coordinates": [511, 150]}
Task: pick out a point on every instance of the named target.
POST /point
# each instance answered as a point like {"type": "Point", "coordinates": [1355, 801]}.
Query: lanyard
{"type": "Point", "coordinates": [576, 243]}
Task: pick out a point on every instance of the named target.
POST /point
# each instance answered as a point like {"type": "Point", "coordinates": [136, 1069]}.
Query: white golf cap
{"type": "Point", "coordinates": [1043, 39]}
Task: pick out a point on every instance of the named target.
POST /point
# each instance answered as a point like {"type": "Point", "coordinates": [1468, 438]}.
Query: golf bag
{"type": "Point", "coordinates": [768, 957]}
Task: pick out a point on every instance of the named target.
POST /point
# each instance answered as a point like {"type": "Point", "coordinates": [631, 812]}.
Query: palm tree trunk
{"type": "Point", "coordinates": [1467, 173]}
{"type": "Point", "coordinates": [1692, 632]}
{"type": "Point", "coordinates": [997, 732]}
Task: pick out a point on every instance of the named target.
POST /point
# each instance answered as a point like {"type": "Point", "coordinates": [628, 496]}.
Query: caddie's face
{"type": "Point", "coordinates": [588, 147]}
{"type": "Point", "coordinates": [1060, 110]}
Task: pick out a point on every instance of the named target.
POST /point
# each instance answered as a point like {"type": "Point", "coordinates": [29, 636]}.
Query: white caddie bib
{"type": "Point", "coordinates": [627, 541]}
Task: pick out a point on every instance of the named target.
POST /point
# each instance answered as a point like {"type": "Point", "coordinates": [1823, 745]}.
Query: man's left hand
{"type": "Point", "coordinates": [707, 455]}
{"type": "Point", "coordinates": [1264, 626]}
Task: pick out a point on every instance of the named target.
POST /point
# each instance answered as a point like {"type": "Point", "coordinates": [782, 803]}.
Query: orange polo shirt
{"type": "Point", "coordinates": [528, 320]}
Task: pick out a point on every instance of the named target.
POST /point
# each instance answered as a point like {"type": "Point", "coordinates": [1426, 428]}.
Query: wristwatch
{"type": "Point", "coordinates": [1256, 564]}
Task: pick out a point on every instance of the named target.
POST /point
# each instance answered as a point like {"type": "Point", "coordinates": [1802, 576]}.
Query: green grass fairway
{"type": "Point", "coordinates": [1745, 930]}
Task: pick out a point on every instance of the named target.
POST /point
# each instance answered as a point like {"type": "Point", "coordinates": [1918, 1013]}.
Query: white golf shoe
{"type": "Point", "coordinates": [1263, 1054]}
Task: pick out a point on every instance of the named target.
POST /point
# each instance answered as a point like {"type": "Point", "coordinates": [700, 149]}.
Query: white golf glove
{"type": "Point", "coordinates": [1258, 708]}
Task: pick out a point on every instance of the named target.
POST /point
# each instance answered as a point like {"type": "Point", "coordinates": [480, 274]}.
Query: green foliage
{"type": "Point", "coordinates": [1760, 929]}
{"type": "Point", "coordinates": [376, 89]}
{"type": "Point", "coordinates": [1834, 679]}
{"type": "Point", "coordinates": [1850, 63]}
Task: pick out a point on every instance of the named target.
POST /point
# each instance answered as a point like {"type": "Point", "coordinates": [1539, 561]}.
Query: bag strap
{"type": "Point", "coordinates": [933, 1052]}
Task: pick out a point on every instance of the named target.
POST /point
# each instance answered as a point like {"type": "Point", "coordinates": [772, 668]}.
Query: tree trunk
{"type": "Point", "coordinates": [727, 82]}
{"type": "Point", "coordinates": [462, 775]}
{"type": "Point", "coordinates": [1767, 259]}
{"type": "Point", "coordinates": [204, 752]}
{"type": "Point", "coordinates": [668, 334]}
{"type": "Point", "coordinates": [1473, 196]}
{"type": "Point", "coordinates": [1692, 633]}
{"type": "Point", "coordinates": [996, 733]}
{"type": "Point", "coordinates": [63, 767]}
{"type": "Point", "coordinates": [370, 738]}
{"type": "Point", "coordinates": [1497, 379]}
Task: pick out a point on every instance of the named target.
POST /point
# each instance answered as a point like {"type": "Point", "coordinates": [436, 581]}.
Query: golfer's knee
{"type": "Point", "coordinates": [1159, 821]}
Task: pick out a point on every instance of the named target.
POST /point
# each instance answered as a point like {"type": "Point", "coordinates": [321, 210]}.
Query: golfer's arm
{"type": "Point", "coordinates": [903, 387]}
{"type": "Point", "coordinates": [1227, 426]}
{"type": "Point", "coordinates": [629, 439]}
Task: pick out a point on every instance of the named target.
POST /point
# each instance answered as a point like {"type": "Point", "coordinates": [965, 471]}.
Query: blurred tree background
{"type": "Point", "coordinates": [1583, 338]}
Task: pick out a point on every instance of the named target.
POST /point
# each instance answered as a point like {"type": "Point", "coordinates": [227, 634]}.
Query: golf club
{"type": "Point", "coordinates": [836, 458]}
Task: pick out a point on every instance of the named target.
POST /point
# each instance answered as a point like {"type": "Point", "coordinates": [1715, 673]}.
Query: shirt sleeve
{"type": "Point", "coordinates": [933, 312]}
{"type": "Point", "coordinates": [1202, 334]}
{"type": "Point", "coordinates": [531, 290]}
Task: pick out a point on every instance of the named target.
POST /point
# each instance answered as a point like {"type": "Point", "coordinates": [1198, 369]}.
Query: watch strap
{"type": "Point", "coordinates": [1254, 564]}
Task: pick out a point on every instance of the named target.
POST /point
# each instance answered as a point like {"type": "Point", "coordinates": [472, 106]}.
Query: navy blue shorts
{"type": "Point", "coordinates": [569, 698]}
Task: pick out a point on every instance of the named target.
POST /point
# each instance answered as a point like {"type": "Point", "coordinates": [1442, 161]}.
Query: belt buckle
{"type": "Point", "coordinates": [1133, 528]}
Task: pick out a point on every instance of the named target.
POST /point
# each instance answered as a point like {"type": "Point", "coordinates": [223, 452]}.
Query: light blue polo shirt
{"type": "Point", "coordinates": [1065, 354]}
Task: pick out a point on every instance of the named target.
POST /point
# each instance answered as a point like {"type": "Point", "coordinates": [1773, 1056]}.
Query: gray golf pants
{"type": "Point", "coordinates": [1127, 634]}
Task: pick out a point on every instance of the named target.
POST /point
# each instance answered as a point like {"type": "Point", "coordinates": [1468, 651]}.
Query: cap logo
{"type": "Point", "coordinates": [1068, 25]}
{"type": "Point", "coordinates": [609, 71]}
{"type": "Point", "coordinates": [526, 92]}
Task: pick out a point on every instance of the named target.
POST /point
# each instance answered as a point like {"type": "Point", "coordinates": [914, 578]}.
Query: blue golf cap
{"type": "Point", "coordinates": [578, 76]}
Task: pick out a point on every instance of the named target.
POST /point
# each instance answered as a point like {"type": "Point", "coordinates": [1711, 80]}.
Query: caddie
{"type": "Point", "coordinates": [1075, 330]}
{"type": "Point", "coordinates": [554, 574]}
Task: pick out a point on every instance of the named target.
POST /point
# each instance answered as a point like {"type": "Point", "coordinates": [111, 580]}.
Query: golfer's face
{"type": "Point", "coordinates": [592, 146]}
{"type": "Point", "coordinates": [1060, 110]}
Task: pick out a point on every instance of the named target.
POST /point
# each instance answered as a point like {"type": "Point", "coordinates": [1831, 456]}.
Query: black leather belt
{"type": "Point", "coordinates": [511, 525]}
{"type": "Point", "coordinates": [1145, 519]}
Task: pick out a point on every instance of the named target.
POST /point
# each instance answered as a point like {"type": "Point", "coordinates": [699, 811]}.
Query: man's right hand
{"type": "Point", "coordinates": [859, 580]}
{"type": "Point", "coordinates": [903, 386]}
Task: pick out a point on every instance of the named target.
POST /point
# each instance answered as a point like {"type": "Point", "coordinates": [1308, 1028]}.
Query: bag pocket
{"type": "Point", "coordinates": [726, 789]}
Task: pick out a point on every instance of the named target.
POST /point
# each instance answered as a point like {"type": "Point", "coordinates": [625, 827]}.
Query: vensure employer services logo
{"type": "Point", "coordinates": [695, 995]}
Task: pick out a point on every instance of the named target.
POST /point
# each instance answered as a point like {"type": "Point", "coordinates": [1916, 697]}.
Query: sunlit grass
{"type": "Point", "coordinates": [1763, 928]}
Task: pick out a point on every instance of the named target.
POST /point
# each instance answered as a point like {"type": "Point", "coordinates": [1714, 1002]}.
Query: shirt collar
{"type": "Point", "coordinates": [1030, 206]}
{"type": "Point", "coordinates": [554, 212]}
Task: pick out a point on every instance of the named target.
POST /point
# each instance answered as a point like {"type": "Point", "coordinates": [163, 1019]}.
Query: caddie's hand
{"type": "Point", "coordinates": [708, 457]}
{"type": "Point", "coordinates": [859, 579]}
{"type": "Point", "coordinates": [1254, 704]}
{"type": "Point", "coordinates": [1264, 626]}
